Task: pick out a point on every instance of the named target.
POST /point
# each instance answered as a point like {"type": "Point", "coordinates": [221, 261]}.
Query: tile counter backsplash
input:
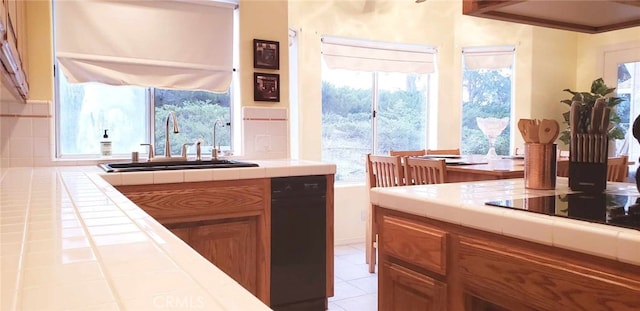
{"type": "Point", "coordinates": [265, 133]}
{"type": "Point", "coordinates": [27, 134]}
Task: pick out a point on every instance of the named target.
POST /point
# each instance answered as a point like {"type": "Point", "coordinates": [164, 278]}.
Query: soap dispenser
{"type": "Point", "coordinates": [105, 145]}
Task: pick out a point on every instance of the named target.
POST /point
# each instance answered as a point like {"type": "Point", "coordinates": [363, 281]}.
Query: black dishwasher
{"type": "Point", "coordinates": [298, 243]}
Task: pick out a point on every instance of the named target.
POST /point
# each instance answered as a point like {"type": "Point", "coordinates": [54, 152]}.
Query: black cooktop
{"type": "Point", "coordinates": [610, 209]}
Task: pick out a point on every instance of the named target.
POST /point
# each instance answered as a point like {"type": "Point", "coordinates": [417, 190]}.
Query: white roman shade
{"type": "Point", "coordinates": [163, 44]}
{"type": "Point", "coordinates": [360, 55]}
{"type": "Point", "coordinates": [490, 57]}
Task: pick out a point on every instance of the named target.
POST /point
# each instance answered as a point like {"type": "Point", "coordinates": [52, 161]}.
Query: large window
{"type": "Point", "coordinates": [85, 110]}
{"type": "Point", "coordinates": [628, 88]}
{"type": "Point", "coordinates": [622, 70]}
{"type": "Point", "coordinates": [374, 99]}
{"type": "Point", "coordinates": [129, 86]}
{"type": "Point", "coordinates": [197, 113]}
{"type": "Point", "coordinates": [346, 121]}
{"type": "Point", "coordinates": [365, 112]}
{"type": "Point", "coordinates": [487, 89]}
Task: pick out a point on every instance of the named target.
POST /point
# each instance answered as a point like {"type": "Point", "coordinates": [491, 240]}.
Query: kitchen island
{"type": "Point", "coordinates": [442, 248]}
{"type": "Point", "coordinates": [71, 241]}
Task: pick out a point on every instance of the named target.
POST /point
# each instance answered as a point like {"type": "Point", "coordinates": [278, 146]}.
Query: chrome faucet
{"type": "Point", "coordinates": [214, 151]}
{"type": "Point", "coordinates": [151, 155]}
{"type": "Point", "coordinates": [167, 145]}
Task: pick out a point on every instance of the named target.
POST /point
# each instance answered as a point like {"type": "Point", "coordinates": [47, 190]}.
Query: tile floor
{"type": "Point", "coordinates": [355, 288]}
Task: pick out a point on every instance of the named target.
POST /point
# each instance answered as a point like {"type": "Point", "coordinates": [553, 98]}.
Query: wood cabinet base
{"type": "Point", "coordinates": [486, 271]}
{"type": "Point", "coordinates": [226, 222]}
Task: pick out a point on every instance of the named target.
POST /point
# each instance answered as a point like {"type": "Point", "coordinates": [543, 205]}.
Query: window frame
{"type": "Point", "coordinates": [235, 118]}
{"type": "Point", "coordinates": [430, 94]}
{"type": "Point", "coordinates": [499, 52]}
{"type": "Point", "coordinates": [149, 116]}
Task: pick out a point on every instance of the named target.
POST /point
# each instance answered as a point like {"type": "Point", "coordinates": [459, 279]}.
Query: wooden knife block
{"type": "Point", "coordinates": [587, 177]}
{"type": "Point", "coordinates": [588, 166]}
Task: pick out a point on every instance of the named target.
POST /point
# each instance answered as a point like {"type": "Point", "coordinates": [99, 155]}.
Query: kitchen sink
{"type": "Point", "coordinates": [171, 165]}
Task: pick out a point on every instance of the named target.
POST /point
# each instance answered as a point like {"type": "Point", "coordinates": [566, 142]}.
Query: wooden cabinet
{"type": "Point", "coordinates": [582, 16]}
{"type": "Point", "coordinates": [13, 45]}
{"type": "Point", "coordinates": [405, 289]}
{"type": "Point", "coordinates": [231, 245]}
{"type": "Point", "coordinates": [539, 280]}
{"type": "Point", "coordinates": [412, 265]}
{"type": "Point", "coordinates": [227, 222]}
{"type": "Point", "coordinates": [441, 266]}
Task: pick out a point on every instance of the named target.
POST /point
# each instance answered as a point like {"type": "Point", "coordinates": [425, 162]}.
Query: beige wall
{"type": "Point", "coordinates": [439, 24]}
{"type": "Point", "coordinates": [487, 33]}
{"type": "Point", "coordinates": [547, 61]}
{"type": "Point", "coordinates": [258, 19]}
{"type": "Point", "coordinates": [541, 54]}
{"type": "Point", "coordinates": [591, 50]}
{"type": "Point", "coordinates": [552, 70]}
{"type": "Point", "coordinates": [40, 51]}
{"type": "Point", "coordinates": [26, 138]}
{"type": "Point", "coordinates": [266, 20]}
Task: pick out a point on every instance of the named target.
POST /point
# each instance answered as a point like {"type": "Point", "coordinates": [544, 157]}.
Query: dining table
{"type": "Point", "coordinates": [508, 167]}
{"type": "Point", "coordinates": [505, 169]}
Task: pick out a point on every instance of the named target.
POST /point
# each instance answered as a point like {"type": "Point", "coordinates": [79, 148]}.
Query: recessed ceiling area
{"type": "Point", "coordinates": [575, 15]}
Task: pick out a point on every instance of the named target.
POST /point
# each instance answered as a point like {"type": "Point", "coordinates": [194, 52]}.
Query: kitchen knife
{"type": "Point", "coordinates": [604, 123]}
{"type": "Point", "coordinates": [585, 148]}
{"type": "Point", "coordinates": [597, 153]}
{"type": "Point", "coordinates": [604, 148]}
{"type": "Point", "coordinates": [591, 146]}
{"type": "Point", "coordinates": [574, 116]}
{"type": "Point", "coordinates": [596, 116]}
{"type": "Point", "coordinates": [578, 148]}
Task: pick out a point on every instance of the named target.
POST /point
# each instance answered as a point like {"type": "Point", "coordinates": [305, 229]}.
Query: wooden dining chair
{"type": "Point", "coordinates": [443, 151]}
{"type": "Point", "coordinates": [425, 171]}
{"type": "Point", "coordinates": [617, 169]}
{"type": "Point", "coordinates": [408, 153]}
{"type": "Point", "coordinates": [562, 168]}
{"type": "Point", "coordinates": [382, 171]}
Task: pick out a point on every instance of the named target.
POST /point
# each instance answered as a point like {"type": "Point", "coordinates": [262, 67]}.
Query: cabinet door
{"type": "Point", "coordinates": [232, 246]}
{"type": "Point", "coordinates": [407, 290]}
{"type": "Point", "coordinates": [410, 241]}
{"type": "Point", "coordinates": [522, 279]}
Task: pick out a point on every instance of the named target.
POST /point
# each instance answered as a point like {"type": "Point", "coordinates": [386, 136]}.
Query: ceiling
{"type": "Point", "coordinates": [575, 15]}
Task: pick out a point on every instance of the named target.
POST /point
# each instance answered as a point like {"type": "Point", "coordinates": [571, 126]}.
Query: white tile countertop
{"type": "Point", "coordinates": [464, 204]}
{"type": "Point", "coordinates": [70, 241]}
{"type": "Point", "coordinates": [265, 169]}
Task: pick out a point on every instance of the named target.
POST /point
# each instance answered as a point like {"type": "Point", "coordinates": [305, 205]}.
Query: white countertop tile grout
{"type": "Point", "coordinates": [463, 204]}
{"type": "Point", "coordinates": [56, 215]}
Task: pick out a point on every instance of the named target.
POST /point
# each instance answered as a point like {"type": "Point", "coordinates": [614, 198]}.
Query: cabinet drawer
{"type": "Point", "coordinates": [540, 282]}
{"type": "Point", "coordinates": [176, 203]}
{"type": "Point", "coordinates": [404, 289]}
{"type": "Point", "coordinates": [415, 243]}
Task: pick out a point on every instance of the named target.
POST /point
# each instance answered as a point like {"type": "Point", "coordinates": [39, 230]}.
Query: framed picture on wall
{"type": "Point", "coordinates": [266, 54]}
{"type": "Point", "coordinates": [266, 87]}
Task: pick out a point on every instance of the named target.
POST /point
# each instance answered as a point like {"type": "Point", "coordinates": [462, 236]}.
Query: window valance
{"type": "Point", "coordinates": [490, 57]}
{"type": "Point", "coordinates": [163, 44]}
{"type": "Point", "coordinates": [360, 55]}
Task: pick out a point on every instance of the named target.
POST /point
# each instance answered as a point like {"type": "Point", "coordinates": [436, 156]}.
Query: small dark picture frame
{"type": "Point", "coordinates": [266, 87]}
{"type": "Point", "coordinates": [266, 54]}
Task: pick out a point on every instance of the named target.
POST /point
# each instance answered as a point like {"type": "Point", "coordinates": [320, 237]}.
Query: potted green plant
{"type": "Point", "coordinates": [587, 99]}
